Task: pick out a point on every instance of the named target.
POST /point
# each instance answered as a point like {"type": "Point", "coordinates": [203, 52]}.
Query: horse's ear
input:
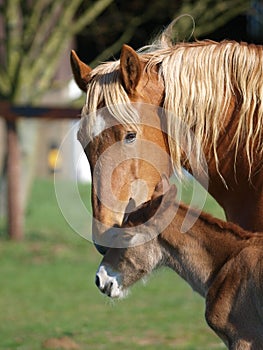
{"type": "Point", "coordinates": [80, 71]}
{"type": "Point", "coordinates": [130, 68]}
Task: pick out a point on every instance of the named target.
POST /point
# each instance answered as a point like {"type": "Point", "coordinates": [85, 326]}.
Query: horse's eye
{"type": "Point", "coordinates": [130, 137]}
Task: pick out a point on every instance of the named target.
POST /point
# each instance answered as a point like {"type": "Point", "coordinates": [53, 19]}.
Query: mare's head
{"type": "Point", "coordinates": [122, 135]}
{"type": "Point", "coordinates": [122, 267]}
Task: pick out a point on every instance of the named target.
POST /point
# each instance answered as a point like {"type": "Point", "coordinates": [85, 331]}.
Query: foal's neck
{"type": "Point", "coordinates": [200, 253]}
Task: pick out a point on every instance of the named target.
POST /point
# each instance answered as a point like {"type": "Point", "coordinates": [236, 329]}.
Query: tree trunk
{"type": "Point", "coordinates": [15, 212]}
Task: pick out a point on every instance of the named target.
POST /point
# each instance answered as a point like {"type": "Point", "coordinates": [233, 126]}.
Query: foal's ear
{"type": "Point", "coordinates": [162, 187]}
{"type": "Point", "coordinates": [131, 206]}
{"type": "Point", "coordinates": [80, 71]}
{"type": "Point", "coordinates": [130, 68]}
{"type": "Point", "coordinates": [163, 209]}
{"type": "Point", "coordinates": [164, 201]}
{"type": "Point", "coordinates": [159, 208]}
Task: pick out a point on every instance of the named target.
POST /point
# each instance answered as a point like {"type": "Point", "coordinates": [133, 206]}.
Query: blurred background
{"type": "Point", "coordinates": [47, 295]}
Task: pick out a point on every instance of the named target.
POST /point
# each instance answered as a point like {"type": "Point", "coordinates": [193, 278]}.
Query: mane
{"type": "Point", "coordinates": [200, 81]}
{"type": "Point", "coordinates": [205, 76]}
{"type": "Point", "coordinates": [210, 220]}
{"type": "Point", "coordinates": [145, 211]}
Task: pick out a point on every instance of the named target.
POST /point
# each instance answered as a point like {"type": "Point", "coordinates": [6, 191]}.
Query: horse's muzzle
{"type": "Point", "coordinates": [101, 249]}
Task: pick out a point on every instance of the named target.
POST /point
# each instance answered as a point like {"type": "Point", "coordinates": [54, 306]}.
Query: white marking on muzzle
{"type": "Point", "coordinates": [108, 283]}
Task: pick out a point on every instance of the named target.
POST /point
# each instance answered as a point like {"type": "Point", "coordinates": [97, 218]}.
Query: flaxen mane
{"type": "Point", "coordinates": [200, 79]}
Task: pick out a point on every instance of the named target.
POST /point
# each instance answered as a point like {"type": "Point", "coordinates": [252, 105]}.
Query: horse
{"type": "Point", "coordinates": [214, 89]}
{"type": "Point", "coordinates": [219, 260]}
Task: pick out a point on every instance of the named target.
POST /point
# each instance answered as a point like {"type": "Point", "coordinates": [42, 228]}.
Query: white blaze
{"type": "Point", "coordinates": [99, 125]}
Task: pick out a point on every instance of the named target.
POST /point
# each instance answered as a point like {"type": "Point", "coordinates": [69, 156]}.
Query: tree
{"type": "Point", "coordinates": [137, 22]}
{"type": "Point", "coordinates": [34, 36]}
{"type": "Point", "coordinates": [36, 33]}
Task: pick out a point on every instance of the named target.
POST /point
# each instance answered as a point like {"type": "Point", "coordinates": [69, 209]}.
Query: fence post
{"type": "Point", "coordinates": [14, 205]}
{"type": "Point", "coordinates": [15, 211]}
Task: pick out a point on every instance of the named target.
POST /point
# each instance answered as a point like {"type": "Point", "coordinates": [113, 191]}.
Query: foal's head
{"type": "Point", "coordinates": [122, 267]}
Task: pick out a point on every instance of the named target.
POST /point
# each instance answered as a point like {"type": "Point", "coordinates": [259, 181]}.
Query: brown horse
{"type": "Point", "coordinates": [213, 89]}
{"type": "Point", "coordinates": [219, 260]}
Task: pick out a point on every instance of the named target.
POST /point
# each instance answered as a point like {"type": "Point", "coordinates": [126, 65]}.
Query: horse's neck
{"type": "Point", "coordinates": [243, 204]}
{"type": "Point", "coordinates": [200, 253]}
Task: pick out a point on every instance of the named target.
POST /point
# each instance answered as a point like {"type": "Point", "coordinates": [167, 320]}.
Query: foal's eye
{"type": "Point", "coordinates": [130, 137]}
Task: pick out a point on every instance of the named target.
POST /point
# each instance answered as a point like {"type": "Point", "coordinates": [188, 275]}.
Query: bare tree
{"type": "Point", "coordinates": [210, 15]}
{"type": "Point", "coordinates": [137, 22]}
{"type": "Point", "coordinates": [34, 35]}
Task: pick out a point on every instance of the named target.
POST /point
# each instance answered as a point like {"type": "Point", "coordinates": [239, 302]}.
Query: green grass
{"type": "Point", "coordinates": [48, 292]}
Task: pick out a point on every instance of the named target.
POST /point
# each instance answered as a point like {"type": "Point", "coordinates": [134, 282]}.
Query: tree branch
{"type": "Point", "coordinates": [126, 36]}
{"type": "Point", "coordinates": [13, 39]}
{"type": "Point", "coordinates": [92, 12]}
{"type": "Point", "coordinates": [209, 15]}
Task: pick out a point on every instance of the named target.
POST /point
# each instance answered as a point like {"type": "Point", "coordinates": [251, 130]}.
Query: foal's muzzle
{"type": "Point", "coordinates": [108, 283]}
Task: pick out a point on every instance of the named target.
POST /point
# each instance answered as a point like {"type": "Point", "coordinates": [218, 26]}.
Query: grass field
{"type": "Point", "coordinates": [48, 299]}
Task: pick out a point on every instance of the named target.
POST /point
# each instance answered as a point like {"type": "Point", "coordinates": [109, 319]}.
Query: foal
{"type": "Point", "coordinates": [219, 260]}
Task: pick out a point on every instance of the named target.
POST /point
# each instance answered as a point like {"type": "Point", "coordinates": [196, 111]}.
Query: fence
{"type": "Point", "coordinates": [11, 114]}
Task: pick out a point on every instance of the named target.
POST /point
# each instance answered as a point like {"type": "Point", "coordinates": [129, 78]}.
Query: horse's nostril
{"type": "Point", "coordinates": [97, 281]}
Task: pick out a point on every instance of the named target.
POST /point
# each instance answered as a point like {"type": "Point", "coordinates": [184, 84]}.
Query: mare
{"type": "Point", "coordinates": [213, 89]}
{"type": "Point", "coordinates": [219, 260]}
